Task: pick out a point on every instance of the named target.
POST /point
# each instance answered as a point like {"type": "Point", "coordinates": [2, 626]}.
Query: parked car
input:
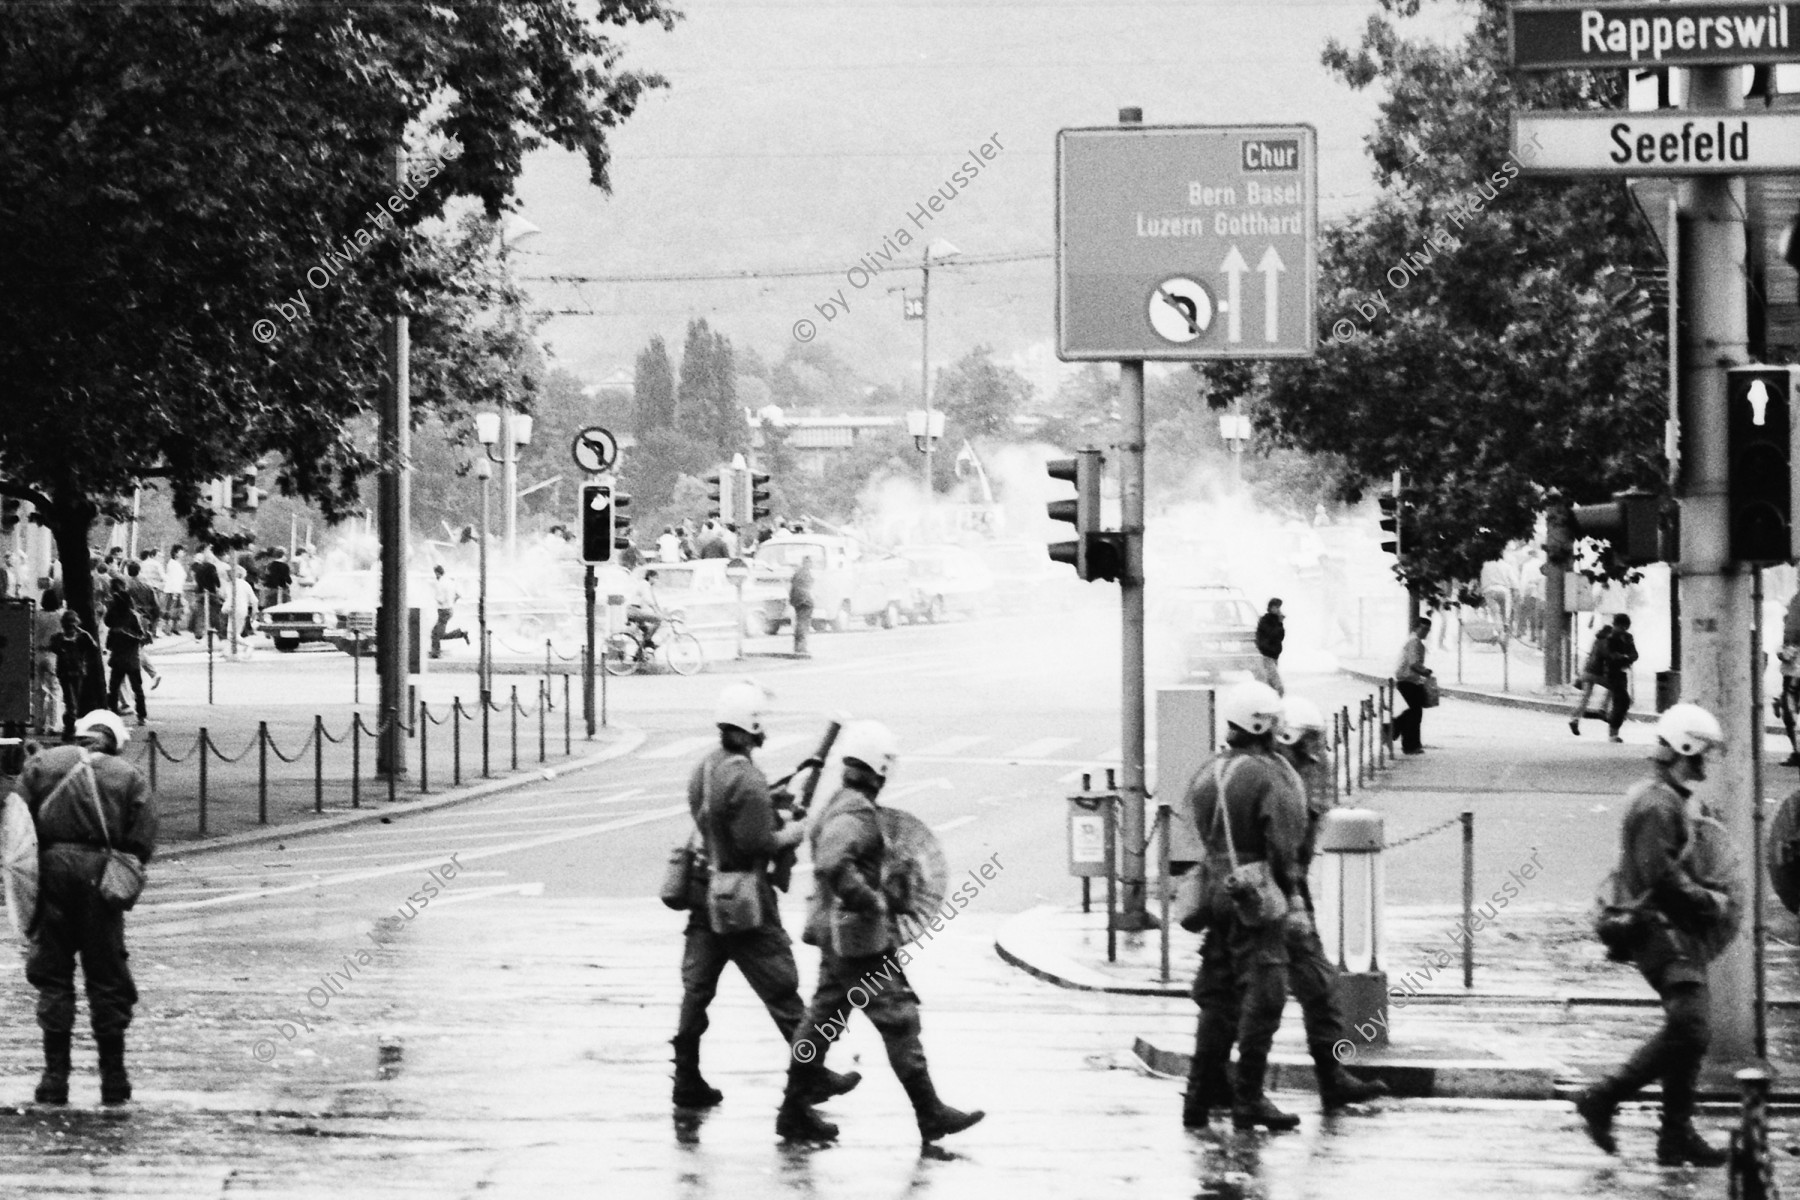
{"type": "Point", "coordinates": [851, 582]}
{"type": "Point", "coordinates": [1025, 578]}
{"type": "Point", "coordinates": [946, 580]}
{"type": "Point", "coordinates": [1217, 626]}
{"type": "Point", "coordinates": [701, 593]}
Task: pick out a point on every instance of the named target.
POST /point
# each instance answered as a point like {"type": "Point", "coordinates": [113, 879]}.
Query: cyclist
{"type": "Point", "coordinates": [645, 612]}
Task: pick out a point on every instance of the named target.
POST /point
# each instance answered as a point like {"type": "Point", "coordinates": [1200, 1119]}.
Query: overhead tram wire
{"type": "Point", "coordinates": [963, 262]}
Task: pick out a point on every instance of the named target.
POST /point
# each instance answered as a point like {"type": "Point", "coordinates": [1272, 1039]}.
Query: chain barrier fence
{"type": "Point", "coordinates": [216, 782]}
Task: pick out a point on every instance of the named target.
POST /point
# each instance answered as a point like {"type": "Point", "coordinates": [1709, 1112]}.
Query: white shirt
{"type": "Point", "coordinates": [445, 592]}
{"type": "Point", "coordinates": [174, 576]}
{"type": "Point", "coordinates": [668, 548]}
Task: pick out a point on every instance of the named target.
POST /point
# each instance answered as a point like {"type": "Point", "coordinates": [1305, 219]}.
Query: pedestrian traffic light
{"type": "Point", "coordinates": [719, 489]}
{"type": "Point", "coordinates": [1631, 521]}
{"type": "Point", "coordinates": [245, 495]}
{"type": "Point", "coordinates": [9, 513]}
{"type": "Point", "coordinates": [1083, 512]}
{"type": "Point", "coordinates": [756, 496]}
{"type": "Point", "coordinates": [620, 522]}
{"type": "Point", "coordinates": [1759, 431]}
{"type": "Point", "coordinates": [596, 522]}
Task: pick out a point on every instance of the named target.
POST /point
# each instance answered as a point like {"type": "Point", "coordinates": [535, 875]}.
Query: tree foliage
{"type": "Point", "coordinates": [980, 396]}
{"type": "Point", "coordinates": [653, 389]}
{"type": "Point", "coordinates": [1487, 334]}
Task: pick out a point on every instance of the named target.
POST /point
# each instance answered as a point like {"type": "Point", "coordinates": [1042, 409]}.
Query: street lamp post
{"type": "Point", "coordinates": [515, 432]}
{"type": "Point", "coordinates": [944, 250]}
{"type": "Point", "coordinates": [487, 432]}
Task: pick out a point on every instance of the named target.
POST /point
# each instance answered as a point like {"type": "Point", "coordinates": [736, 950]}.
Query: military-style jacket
{"type": "Point", "coordinates": [1264, 806]}
{"type": "Point", "coordinates": [849, 914]}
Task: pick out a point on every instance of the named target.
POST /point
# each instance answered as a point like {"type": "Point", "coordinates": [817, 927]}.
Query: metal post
{"type": "Point", "coordinates": [1162, 867]}
{"type": "Point", "coordinates": [151, 739]}
{"type": "Point", "coordinates": [925, 358]}
{"type": "Point", "coordinates": [1758, 910]}
{"type": "Point", "coordinates": [587, 661]}
{"type": "Point", "coordinates": [391, 635]}
{"type": "Point", "coordinates": [262, 772]}
{"type": "Point", "coordinates": [513, 712]}
{"type": "Point", "coordinates": [484, 663]}
{"type": "Point", "coordinates": [318, 763]}
{"type": "Point", "coordinates": [1751, 1171]}
{"type": "Point", "coordinates": [1110, 806]}
{"type": "Point", "coordinates": [203, 747]}
{"type": "Point", "coordinates": [487, 706]}
{"type": "Point", "coordinates": [1131, 601]}
{"type": "Point", "coordinates": [548, 655]}
{"type": "Point", "coordinates": [424, 726]}
{"type": "Point", "coordinates": [740, 620]}
{"type": "Point", "coordinates": [1468, 882]}
{"type": "Point", "coordinates": [393, 721]}
{"type": "Point", "coordinates": [209, 647]}
{"type": "Point", "coordinates": [356, 666]}
{"type": "Point", "coordinates": [509, 484]}
{"type": "Point", "coordinates": [1710, 295]}
{"type": "Point", "coordinates": [543, 703]}
{"type": "Point", "coordinates": [456, 713]}
{"type": "Point", "coordinates": [355, 760]}
{"type": "Point", "coordinates": [568, 721]}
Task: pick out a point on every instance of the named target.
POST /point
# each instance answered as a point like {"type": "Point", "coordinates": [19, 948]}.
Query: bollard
{"type": "Point", "coordinates": [318, 763]}
{"type": "Point", "coordinates": [152, 742]}
{"type": "Point", "coordinates": [1168, 885]}
{"type": "Point", "coordinates": [1468, 865]}
{"type": "Point", "coordinates": [395, 764]}
{"type": "Point", "coordinates": [568, 722]}
{"type": "Point", "coordinates": [543, 703]}
{"type": "Point", "coordinates": [356, 666]}
{"type": "Point", "coordinates": [1349, 916]}
{"type": "Point", "coordinates": [487, 707]}
{"type": "Point", "coordinates": [262, 772]}
{"type": "Point", "coordinates": [1349, 756]}
{"type": "Point", "coordinates": [355, 760]}
{"type": "Point", "coordinates": [202, 748]}
{"type": "Point", "coordinates": [1752, 1174]}
{"type": "Point", "coordinates": [456, 741]}
{"type": "Point", "coordinates": [513, 713]}
{"type": "Point", "coordinates": [424, 719]}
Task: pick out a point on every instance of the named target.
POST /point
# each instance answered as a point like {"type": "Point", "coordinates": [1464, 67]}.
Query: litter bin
{"type": "Point", "coordinates": [1348, 904]}
{"type": "Point", "coordinates": [1668, 690]}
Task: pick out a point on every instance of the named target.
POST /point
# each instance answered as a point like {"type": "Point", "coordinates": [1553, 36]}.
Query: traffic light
{"type": "Point", "coordinates": [596, 522]}
{"type": "Point", "coordinates": [1759, 431]}
{"type": "Point", "coordinates": [1390, 523]}
{"type": "Point", "coordinates": [719, 489]}
{"type": "Point", "coordinates": [1631, 521]}
{"type": "Point", "coordinates": [621, 523]}
{"type": "Point", "coordinates": [756, 496]}
{"type": "Point", "coordinates": [245, 495]}
{"type": "Point", "coordinates": [9, 513]}
{"type": "Point", "coordinates": [1083, 512]}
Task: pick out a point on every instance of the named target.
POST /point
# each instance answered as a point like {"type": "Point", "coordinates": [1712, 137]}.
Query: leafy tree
{"type": "Point", "coordinates": [1502, 356]}
{"type": "Point", "coordinates": [653, 389]}
{"type": "Point", "coordinates": [205, 236]}
{"type": "Point", "coordinates": [981, 396]}
{"type": "Point", "coordinates": [811, 378]}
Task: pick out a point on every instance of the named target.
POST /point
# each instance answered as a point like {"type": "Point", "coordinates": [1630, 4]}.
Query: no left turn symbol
{"type": "Point", "coordinates": [1181, 309]}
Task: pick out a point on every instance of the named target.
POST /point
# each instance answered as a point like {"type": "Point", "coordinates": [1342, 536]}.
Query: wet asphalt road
{"type": "Point", "coordinates": [308, 1030]}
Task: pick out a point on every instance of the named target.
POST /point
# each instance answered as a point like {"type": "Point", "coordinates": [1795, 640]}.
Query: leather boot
{"type": "Point", "coordinates": [827, 1083]}
{"type": "Point", "coordinates": [936, 1119]}
{"type": "Point", "coordinates": [691, 1089]}
{"type": "Point", "coordinates": [1679, 1142]}
{"type": "Point", "coordinates": [797, 1122]}
{"type": "Point", "coordinates": [1252, 1107]}
{"type": "Point", "coordinates": [1209, 1079]}
{"type": "Point", "coordinates": [53, 1088]}
{"type": "Point", "coordinates": [1338, 1087]}
{"type": "Point", "coordinates": [115, 1085]}
{"type": "Point", "coordinates": [1596, 1107]}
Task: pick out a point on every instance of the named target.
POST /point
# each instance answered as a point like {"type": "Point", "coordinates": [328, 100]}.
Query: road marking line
{"type": "Point", "coordinates": [422, 864]}
{"type": "Point", "coordinates": [908, 789]}
{"type": "Point", "coordinates": [1041, 748]}
{"type": "Point", "coordinates": [682, 747]}
{"type": "Point", "coordinates": [951, 745]}
{"type": "Point", "coordinates": [958, 823]}
{"type": "Point", "coordinates": [784, 740]}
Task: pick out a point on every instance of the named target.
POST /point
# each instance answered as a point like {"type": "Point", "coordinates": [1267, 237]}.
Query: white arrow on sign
{"type": "Point", "coordinates": [1234, 267]}
{"type": "Point", "coordinates": [1270, 266]}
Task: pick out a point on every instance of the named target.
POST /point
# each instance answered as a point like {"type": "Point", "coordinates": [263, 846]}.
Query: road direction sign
{"type": "Point", "coordinates": [1666, 142]}
{"type": "Point", "coordinates": [595, 450]}
{"type": "Point", "coordinates": [1547, 37]}
{"type": "Point", "coordinates": [1186, 242]}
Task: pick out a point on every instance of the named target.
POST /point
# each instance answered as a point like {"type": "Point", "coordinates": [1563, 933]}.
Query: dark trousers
{"type": "Point", "coordinates": [1241, 988]}
{"type": "Point", "coordinates": [73, 921]}
{"type": "Point", "coordinates": [1407, 723]}
{"type": "Point", "coordinates": [1618, 700]}
{"type": "Point", "coordinates": [802, 626]}
{"type": "Point", "coordinates": [126, 666]}
{"type": "Point", "coordinates": [877, 986]}
{"type": "Point", "coordinates": [71, 697]}
{"type": "Point", "coordinates": [766, 958]}
{"type": "Point", "coordinates": [442, 630]}
{"type": "Point", "coordinates": [1673, 1055]}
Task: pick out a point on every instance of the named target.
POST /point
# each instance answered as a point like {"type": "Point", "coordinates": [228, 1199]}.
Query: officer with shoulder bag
{"type": "Point", "coordinates": [1675, 907]}
{"type": "Point", "coordinates": [1251, 817]}
{"type": "Point", "coordinates": [96, 828]}
{"type": "Point", "coordinates": [739, 923]}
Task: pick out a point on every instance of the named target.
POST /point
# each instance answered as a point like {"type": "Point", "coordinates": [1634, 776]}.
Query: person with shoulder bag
{"type": "Point", "coordinates": [739, 924]}
{"type": "Point", "coordinates": [96, 827]}
{"type": "Point", "coordinates": [1413, 680]}
{"type": "Point", "coordinates": [1251, 817]}
{"type": "Point", "coordinates": [1675, 906]}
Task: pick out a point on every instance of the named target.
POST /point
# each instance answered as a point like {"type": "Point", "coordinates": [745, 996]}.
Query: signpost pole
{"type": "Point", "coordinates": [587, 664]}
{"type": "Point", "coordinates": [396, 520]}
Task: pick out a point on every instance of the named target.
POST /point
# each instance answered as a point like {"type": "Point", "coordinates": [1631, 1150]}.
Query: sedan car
{"type": "Point", "coordinates": [1217, 626]}
{"type": "Point", "coordinates": [946, 580]}
{"type": "Point", "coordinates": [319, 614]}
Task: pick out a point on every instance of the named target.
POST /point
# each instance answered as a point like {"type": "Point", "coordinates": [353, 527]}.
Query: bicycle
{"type": "Point", "coordinates": [626, 650]}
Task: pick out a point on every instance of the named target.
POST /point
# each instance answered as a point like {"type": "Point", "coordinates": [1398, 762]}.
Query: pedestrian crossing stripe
{"type": "Point", "coordinates": [950, 745]}
{"type": "Point", "coordinates": [1042, 748]}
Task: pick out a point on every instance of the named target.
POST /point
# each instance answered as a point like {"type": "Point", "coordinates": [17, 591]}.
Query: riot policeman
{"type": "Point", "coordinates": [1249, 810]}
{"type": "Point", "coordinates": [852, 922]}
{"type": "Point", "coordinates": [732, 807]}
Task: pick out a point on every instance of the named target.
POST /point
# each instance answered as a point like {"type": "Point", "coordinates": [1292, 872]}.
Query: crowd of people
{"type": "Point", "coordinates": [208, 592]}
{"type": "Point", "coordinates": [713, 538]}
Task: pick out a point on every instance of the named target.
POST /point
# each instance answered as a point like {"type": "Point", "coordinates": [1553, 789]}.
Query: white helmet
{"type": "Point", "coordinates": [870, 743]}
{"type": "Point", "coordinates": [1298, 718]}
{"type": "Point", "coordinates": [102, 719]}
{"type": "Point", "coordinates": [1250, 706]}
{"type": "Point", "coordinates": [741, 706]}
{"type": "Point", "coordinates": [1688, 729]}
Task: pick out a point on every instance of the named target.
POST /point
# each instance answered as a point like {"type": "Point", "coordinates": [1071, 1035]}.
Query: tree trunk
{"type": "Point", "coordinates": [70, 523]}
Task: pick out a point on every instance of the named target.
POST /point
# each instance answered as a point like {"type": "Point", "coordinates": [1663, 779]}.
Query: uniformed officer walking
{"type": "Point", "coordinates": [1686, 917]}
{"type": "Point", "coordinates": [732, 807]}
{"type": "Point", "coordinates": [78, 816]}
{"type": "Point", "coordinates": [851, 922]}
{"type": "Point", "coordinates": [1248, 808]}
{"type": "Point", "coordinates": [1300, 742]}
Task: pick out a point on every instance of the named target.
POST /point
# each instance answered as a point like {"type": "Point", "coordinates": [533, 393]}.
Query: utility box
{"type": "Point", "coordinates": [1090, 825]}
{"type": "Point", "coordinates": [1186, 736]}
{"type": "Point", "coordinates": [18, 659]}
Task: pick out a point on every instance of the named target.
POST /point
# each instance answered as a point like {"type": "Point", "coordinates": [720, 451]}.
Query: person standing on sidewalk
{"type": "Point", "coordinates": [74, 649]}
{"type": "Point", "coordinates": [1410, 674]}
{"type": "Point", "coordinates": [735, 814]}
{"type": "Point", "coordinates": [1621, 652]}
{"type": "Point", "coordinates": [1682, 914]}
{"type": "Point", "coordinates": [124, 640]}
{"type": "Point", "coordinates": [175, 586]}
{"type": "Point", "coordinates": [1271, 631]}
{"type": "Point", "coordinates": [852, 924]}
{"type": "Point", "coordinates": [1593, 675]}
{"type": "Point", "coordinates": [79, 813]}
{"type": "Point", "coordinates": [47, 703]}
{"type": "Point", "coordinates": [149, 608]}
{"type": "Point", "coordinates": [800, 597]}
{"type": "Point", "coordinates": [207, 614]}
{"type": "Point", "coordinates": [1248, 809]}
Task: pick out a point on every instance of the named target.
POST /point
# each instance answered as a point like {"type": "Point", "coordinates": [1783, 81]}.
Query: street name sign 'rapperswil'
{"type": "Point", "coordinates": [1553, 36]}
{"type": "Point", "coordinates": [1666, 142]}
{"type": "Point", "coordinates": [1177, 243]}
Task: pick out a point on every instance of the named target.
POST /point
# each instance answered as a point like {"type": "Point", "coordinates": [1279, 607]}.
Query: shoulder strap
{"type": "Point", "coordinates": [704, 821]}
{"type": "Point", "coordinates": [83, 770]}
{"type": "Point", "coordinates": [1221, 776]}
